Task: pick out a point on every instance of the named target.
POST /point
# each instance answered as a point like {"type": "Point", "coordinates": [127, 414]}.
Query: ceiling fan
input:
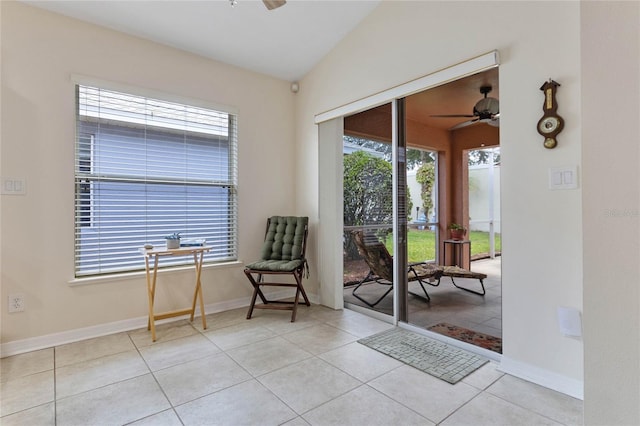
{"type": "Point", "coordinates": [486, 110]}
{"type": "Point", "coordinates": [270, 4]}
{"type": "Point", "coordinates": [273, 4]}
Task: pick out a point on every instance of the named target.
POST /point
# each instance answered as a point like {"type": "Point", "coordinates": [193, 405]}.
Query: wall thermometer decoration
{"type": "Point", "coordinates": [551, 123]}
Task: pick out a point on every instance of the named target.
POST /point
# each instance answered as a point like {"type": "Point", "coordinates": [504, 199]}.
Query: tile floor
{"type": "Point", "coordinates": [448, 304]}
{"type": "Point", "coordinates": [266, 371]}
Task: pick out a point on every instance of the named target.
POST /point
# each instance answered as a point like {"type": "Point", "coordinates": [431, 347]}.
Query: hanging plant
{"type": "Point", "coordinates": [426, 177]}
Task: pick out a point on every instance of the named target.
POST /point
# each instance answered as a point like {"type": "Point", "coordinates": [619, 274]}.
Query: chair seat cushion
{"type": "Point", "coordinates": [424, 270]}
{"type": "Point", "coordinates": [457, 272]}
{"type": "Point", "coordinates": [276, 265]}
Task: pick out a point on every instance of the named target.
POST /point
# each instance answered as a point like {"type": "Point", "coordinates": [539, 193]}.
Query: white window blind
{"type": "Point", "coordinates": [145, 169]}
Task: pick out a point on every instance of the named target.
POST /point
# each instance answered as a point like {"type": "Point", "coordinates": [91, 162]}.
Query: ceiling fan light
{"type": "Point", "coordinates": [487, 106]}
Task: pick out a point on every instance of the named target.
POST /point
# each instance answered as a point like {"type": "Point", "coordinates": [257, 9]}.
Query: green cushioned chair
{"type": "Point", "coordinates": [283, 253]}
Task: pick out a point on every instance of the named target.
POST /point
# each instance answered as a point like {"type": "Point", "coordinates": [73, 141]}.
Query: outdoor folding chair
{"type": "Point", "coordinates": [283, 253]}
{"type": "Point", "coordinates": [380, 264]}
{"type": "Point", "coordinates": [457, 272]}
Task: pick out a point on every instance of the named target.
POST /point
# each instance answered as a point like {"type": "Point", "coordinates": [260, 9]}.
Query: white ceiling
{"type": "Point", "coordinates": [285, 43]}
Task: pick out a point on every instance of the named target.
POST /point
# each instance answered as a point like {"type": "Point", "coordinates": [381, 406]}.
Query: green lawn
{"type": "Point", "coordinates": [421, 244]}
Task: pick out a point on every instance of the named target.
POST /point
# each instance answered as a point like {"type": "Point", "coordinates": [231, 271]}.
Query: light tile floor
{"type": "Point", "coordinates": [265, 371]}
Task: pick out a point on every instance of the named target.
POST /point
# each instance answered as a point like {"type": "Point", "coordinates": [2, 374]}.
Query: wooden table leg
{"type": "Point", "coordinates": [198, 290]}
{"type": "Point", "coordinates": [152, 275]}
{"type": "Point", "coordinates": [151, 289]}
{"type": "Point", "coordinates": [149, 296]}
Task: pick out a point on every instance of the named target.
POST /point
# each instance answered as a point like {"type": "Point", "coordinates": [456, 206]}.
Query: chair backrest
{"type": "Point", "coordinates": [285, 238]}
{"type": "Point", "coordinates": [375, 253]}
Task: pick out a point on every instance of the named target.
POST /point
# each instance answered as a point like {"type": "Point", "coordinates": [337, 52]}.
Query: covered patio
{"type": "Point", "coordinates": [448, 304]}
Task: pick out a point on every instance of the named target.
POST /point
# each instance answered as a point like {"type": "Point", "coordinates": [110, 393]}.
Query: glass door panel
{"type": "Point", "coordinates": [367, 211]}
{"type": "Point", "coordinates": [422, 233]}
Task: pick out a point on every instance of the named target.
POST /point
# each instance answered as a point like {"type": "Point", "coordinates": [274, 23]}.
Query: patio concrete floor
{"type": "Point", "coordinates": [448, 303]}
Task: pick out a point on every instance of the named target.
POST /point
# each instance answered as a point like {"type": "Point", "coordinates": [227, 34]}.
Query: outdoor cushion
{"type": "Point", "coordinates": [276, 265]}
{"type": "Point", "coordinates": [426, 270]}
{"type": "Point", "coordinates": [457, 272]}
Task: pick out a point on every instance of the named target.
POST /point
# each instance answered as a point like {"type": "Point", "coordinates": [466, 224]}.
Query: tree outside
{"type": "Point", "coordinates": [368, 195]}
{"type": "Point", "coordinates": [368, 198]}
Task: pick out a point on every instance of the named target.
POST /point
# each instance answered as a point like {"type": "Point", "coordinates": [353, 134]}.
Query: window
{"type": "Point", "coordinates": [146, 168]}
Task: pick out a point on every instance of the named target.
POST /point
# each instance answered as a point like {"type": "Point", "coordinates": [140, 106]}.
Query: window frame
{"type": "Point", "coordinates": [229, 185]}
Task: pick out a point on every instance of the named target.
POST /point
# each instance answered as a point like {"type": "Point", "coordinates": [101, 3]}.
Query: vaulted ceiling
{"type": "Point", "coordinates": [285, 42]}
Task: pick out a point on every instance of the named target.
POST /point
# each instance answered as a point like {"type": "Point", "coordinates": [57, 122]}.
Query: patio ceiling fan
{"type": "Point", "coordinates": [486, 110]}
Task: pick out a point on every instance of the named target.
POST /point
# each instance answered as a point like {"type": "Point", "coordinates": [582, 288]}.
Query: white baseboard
{"type": "Point", "coordinates": [75, 335]}
{"type": "Point", "coordinates": [542, 377]}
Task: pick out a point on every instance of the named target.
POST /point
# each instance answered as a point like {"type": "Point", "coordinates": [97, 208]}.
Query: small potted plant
{"type": "Point", "coordinates": [173, 240]}
{"type": "Point", "coordinates": [457, 231]}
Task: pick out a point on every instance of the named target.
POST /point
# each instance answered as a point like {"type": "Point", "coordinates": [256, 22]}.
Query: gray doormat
{"type": "Point", "coordinates": [431, 356]}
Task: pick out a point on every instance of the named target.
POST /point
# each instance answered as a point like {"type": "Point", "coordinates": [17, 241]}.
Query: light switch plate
{"type": "Point", "coordinates": [565, 177]}
{"type": "Point", "coordinates": [13, 186]}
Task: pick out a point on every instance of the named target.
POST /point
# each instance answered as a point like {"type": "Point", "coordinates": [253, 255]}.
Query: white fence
{"type": "Point", "coordinates": [484, 197]}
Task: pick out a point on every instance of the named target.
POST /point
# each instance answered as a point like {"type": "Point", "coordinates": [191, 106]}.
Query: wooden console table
{"type": "Point", "coordinates": [153, 255]}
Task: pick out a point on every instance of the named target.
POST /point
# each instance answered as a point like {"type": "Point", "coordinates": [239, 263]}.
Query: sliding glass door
{"type": "Point", "coordinates": [414, 231]}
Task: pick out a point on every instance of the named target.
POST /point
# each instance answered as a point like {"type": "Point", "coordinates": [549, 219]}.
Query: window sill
{"type": "Point", "coordinates": [125, 276]}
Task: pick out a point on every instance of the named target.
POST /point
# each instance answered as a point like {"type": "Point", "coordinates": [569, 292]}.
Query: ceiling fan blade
{"type": "Point", "coordinates": [273, 4]}
{"type": "Point", "coordinates": [463, 124]}
{"type": "Point", "coordinates": [495, 122]}
{"type": "Point", "coordinates": [453, 116]}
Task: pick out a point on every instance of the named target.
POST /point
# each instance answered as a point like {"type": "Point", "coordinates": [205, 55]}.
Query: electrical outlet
{"type": "Point", "coordinates": [16, 302]}
{"type": "Point", "coordinates": [13, 186]}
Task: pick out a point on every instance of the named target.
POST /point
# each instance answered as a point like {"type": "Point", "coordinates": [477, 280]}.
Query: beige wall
{"type": "Point", "coordinates": [40, 52]}
{"type": "Point", "coordinates": [542, 241]}
{"type": "Point", "coordinates": [611, 212]}
{"type": "Point", "coordinates": [549, 237]}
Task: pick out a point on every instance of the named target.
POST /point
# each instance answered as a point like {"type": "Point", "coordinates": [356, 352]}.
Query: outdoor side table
{"type": "Point", "coordinates": [154, 255]}
{"type": "Point", "coordinates": [456, 251]}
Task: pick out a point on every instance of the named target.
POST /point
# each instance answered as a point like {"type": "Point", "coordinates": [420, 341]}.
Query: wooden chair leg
{"type": "Point", "coordinates": [253, 302]}
{"type": "Point", "coordinates": [299, 290]}
{"type": "Point", "coordinates": [274, 304]}
{"type": "Point", "coordinates": [256, 292]}
{"type": "Point", "coordinates": [304, 293]}
{"type": "Point", "coordinates": [294, 310]}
